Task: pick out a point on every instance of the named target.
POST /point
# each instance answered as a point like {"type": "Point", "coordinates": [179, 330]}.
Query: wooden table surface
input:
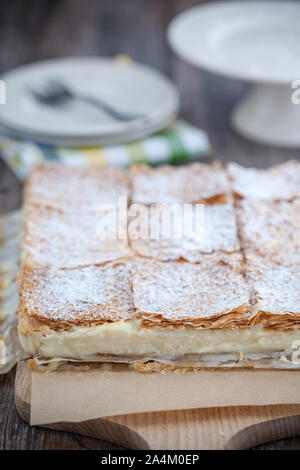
{"type": "Point", "coordinates": [39, 29]}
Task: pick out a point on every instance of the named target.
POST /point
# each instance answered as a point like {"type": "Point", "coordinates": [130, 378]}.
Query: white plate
{"type": "Point", "coordinates": [131, 88]}
{"type": "Point", "coordinates": [249, 40]}
{"type": "Point", "coordinates": [88, 140]}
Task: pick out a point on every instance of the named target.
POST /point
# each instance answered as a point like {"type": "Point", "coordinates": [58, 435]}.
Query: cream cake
{"type": "Point", "coordinates": [141, 309]}
{"type": "Point", "coordinates": [230, 295]}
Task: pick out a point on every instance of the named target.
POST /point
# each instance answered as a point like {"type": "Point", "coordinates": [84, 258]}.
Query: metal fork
{"type": "Point", "coordinates": [56, 93]}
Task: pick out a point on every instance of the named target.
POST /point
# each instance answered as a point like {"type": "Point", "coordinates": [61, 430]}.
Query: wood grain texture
{"type": "Point", "coordinates": [212, 428]}
{"type": "Point", "coordinates": [40, 29]}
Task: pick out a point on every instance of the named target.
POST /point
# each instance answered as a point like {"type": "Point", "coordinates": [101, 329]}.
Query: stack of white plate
{"type": "Point", "coordinates": [124, 85]}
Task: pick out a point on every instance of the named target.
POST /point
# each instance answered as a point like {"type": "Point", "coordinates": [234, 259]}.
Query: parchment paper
{"type": "Point", "coordinates": [74, 396]}
{"type": "Point", "coordinates": [10, 229]}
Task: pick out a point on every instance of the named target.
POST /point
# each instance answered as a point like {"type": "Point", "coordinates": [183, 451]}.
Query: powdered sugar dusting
{"type": "Point", "coordinates": [280, 182]}
{"type": "Point", "coordinates": [218, 233]}
{"type": "Point", "coordinates": [76, 190]}
{"type": "Point", "coordinates": [61, 232]}
{"type": "Point", "coordinates": [270, 229]}
{"type": "Point", "coordinates": [90, 294]}
{"type": "Point", "coordinates": [186, 184]}
{"type": "Point", "coordinates": [180, 291]}
{"type": "Point", "coordinates": [68, 240]}
{"type": "Point", "coordinates": [276, 286]}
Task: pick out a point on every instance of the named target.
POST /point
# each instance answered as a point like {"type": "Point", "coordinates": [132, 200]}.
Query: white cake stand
{"type": "Point", "coordinates": [258, 41]}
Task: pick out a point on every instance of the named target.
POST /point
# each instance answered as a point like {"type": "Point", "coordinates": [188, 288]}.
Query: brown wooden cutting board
{"type": "Point", "coordinates": [209, 428]}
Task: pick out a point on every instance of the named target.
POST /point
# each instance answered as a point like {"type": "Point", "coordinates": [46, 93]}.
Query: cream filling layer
{"type": "Point", "coordinates": [130, 338]}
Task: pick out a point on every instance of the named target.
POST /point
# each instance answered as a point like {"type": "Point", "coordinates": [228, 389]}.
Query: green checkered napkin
{"type": "Point", "coordinates": [179, 143]}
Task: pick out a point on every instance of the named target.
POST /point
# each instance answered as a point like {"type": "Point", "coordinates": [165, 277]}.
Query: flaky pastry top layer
{"type": "Point", "coordinates": [276, 291]}
{"type": "Point", "coordinates": [71, 239]}
{"type": "Point", "coordinates": [70, 277]}
{"type": "Point", "coordinates": [174, 292]}
{"type": "Point", "coordinates": [195, 294]}
{"type": "Point", "coordinates": [213, 229]}
{"type": "Point", "coordinates": [69, 189]}
{"type": "Point", "coordinates": [270, 229]}
{"type": "Point", "coordinates": [186, 184]}
{"type": "Point", "coordinates": [279, 183]}
{"type": "Point", "coordinates": [77, 296]}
